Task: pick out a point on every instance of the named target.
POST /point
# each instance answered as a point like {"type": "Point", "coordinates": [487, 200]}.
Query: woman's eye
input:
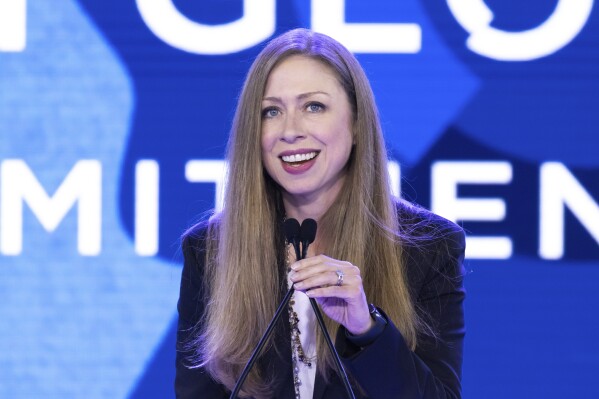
{"type": "Point", "coordinates": [270, 112]}
{"type": "Point", "coordinates": [315, 107]}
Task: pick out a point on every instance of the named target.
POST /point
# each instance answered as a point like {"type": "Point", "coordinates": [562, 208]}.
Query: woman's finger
{"type": "Point", "coordinates": [303, 271]}
{"type": "Point", "coordinates": [347, 293]}
{"type": "Point", "coordinates": [329, 278]}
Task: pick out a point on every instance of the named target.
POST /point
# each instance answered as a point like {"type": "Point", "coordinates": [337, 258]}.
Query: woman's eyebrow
{"type": "Point", "coordinates": [299, 97]}
{"type": "Point", "coordinates": [311, 93]}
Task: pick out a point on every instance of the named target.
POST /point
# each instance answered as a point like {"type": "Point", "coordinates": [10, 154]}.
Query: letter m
{"type": "Point", "coordinates": [83, 185]}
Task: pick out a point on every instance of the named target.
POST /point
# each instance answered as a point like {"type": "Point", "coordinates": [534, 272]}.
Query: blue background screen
{"type": "Point", "coordinates": [114, 117]}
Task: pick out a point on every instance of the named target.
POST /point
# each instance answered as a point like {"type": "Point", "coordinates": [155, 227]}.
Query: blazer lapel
{"type": "Point", "coordinates": [319, 387]}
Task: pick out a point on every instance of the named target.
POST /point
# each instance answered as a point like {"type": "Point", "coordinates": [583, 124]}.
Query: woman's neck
{"type": "Point", "coordinates": [300, 208]}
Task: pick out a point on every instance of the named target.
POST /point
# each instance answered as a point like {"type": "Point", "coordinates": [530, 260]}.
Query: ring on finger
{"type": "Point", "coordinates": [340, 275]}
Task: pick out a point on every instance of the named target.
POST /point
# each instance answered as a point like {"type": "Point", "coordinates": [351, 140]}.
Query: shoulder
{"type": "Point", "coordinates": [420, 225]}
{"type": "Point", "coordinates": [194, 238]}
{"type": "Point", "coordinates": [423, 229]}
{"type": "Point", "coordinates": [433, 248]}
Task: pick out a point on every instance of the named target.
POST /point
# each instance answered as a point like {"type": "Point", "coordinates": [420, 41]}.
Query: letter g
{"type": "Point", "coordinates": [166, 22]}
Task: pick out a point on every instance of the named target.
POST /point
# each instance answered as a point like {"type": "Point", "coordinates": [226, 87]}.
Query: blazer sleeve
{"type": "Point", "coordinates": [387, 368]}
{"type": "Point", "coordinates": [192, 382]}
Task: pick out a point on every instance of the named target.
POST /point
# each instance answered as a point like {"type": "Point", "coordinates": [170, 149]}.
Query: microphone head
{"type": "Point", "coordinates": [308, 231]}
{"type": "Point", "coordinates": [292, 229]}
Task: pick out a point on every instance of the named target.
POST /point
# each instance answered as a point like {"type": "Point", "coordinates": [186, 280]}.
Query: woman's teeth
{"type": "Point", "coordinates": [299, 157]}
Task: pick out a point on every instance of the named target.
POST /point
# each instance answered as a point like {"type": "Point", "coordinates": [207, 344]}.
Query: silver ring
{"type": "Point", "coordinates": [339, 278]}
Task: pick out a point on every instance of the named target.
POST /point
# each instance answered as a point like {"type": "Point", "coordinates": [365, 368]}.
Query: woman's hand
{"type": "Point", "coordinates": [318, 277]}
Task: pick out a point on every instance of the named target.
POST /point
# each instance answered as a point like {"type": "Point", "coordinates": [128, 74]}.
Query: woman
{"type": "Point", "coordinates": [306, 143]}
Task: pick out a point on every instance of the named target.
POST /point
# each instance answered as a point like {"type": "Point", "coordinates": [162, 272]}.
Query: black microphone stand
{"type": "Point", "coordinates": [294, 234]}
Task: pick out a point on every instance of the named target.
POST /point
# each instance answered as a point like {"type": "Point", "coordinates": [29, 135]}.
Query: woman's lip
{"type": "Point", "coordinates": [298, 168]}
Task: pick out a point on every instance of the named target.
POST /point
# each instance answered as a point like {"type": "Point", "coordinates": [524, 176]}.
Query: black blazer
{"type": "Point", "coordinates": [387, 368]}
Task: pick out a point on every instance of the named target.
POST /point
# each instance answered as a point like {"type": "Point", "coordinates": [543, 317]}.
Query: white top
{"type": "Point", "coordinates": [307, 326]}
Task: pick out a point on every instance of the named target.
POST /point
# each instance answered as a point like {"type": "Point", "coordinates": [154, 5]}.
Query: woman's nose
{"type": "Point", "coordinates": [292, 129]}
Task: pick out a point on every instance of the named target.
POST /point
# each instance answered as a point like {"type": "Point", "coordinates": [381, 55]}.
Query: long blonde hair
{"type": "Point", "coordinates": [244, 277]}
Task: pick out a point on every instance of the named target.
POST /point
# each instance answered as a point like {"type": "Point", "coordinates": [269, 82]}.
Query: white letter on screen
{"type": "Point", "coordinates": [209, 171]}
{"type": "Point", "coordinates": [446, 176]}
{"type": "Point", "coordinates": [166, 22]}
{"type": "Point", "coordinates": [146, 207]}
{"type": "Point", "coordinates": [328, 17]}
{"type": "Point", "coordinates": [566, 22]}
{"type": "Point", "coordinates": [394, 178]}
{"type": "Point", "coordinates": [560, 189]}
{"type": "Point", "coordinates": [83, 185]}
{"type": "Point", "coordinates": [13, 25]}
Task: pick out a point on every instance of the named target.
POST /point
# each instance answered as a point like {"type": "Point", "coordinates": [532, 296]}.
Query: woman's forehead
{"type": "Point", "coordinates": [303, 74]}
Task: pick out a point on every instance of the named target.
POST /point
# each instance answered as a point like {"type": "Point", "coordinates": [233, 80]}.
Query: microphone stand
{"type": "Point", "coordinates": [306, 235]}
{"type": "Point", "coordinates": [327, 337]}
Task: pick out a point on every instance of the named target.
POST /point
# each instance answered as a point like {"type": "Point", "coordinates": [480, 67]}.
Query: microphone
{"type": "Point", "coordinates": [293, 234]}
{"type": "Point", "coordinates": [307, 235]}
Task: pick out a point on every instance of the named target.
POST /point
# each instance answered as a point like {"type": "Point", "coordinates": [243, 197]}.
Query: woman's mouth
{"type": "Point", "coordinates": [298, 163]}
{"type": "Point", "coordinates": [299, 158]}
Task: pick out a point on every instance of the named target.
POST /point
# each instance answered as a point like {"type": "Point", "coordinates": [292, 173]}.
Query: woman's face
{"type": "Point", "coordinates": [306, 129]}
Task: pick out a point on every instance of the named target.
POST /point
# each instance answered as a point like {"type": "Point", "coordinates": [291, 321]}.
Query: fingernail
{"type": "Point", "coordinates": [298, 285]}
